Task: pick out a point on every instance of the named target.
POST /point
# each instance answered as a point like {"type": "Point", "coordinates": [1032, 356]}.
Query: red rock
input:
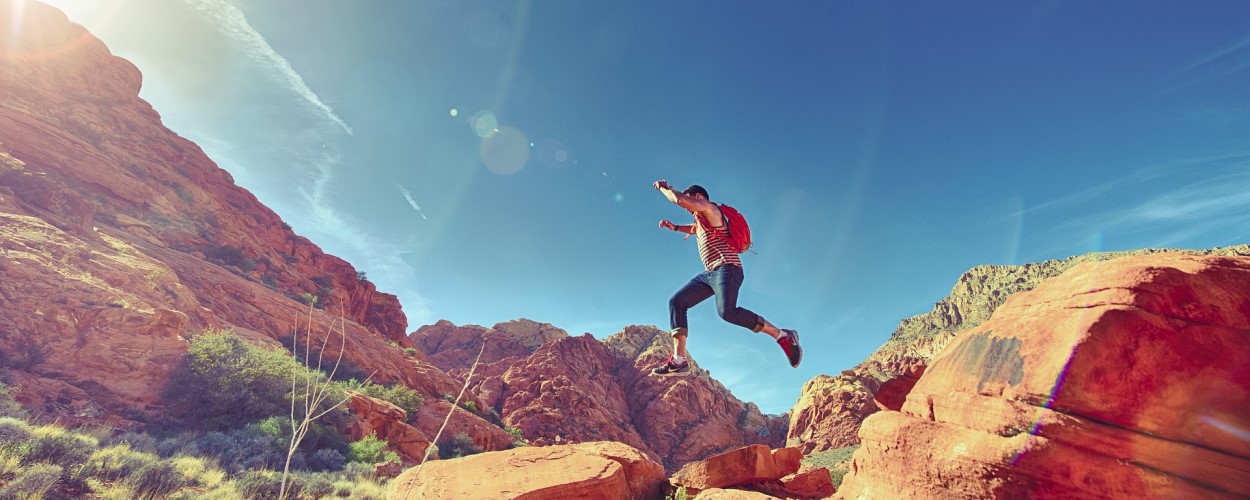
{"type": "Point", "coordinates": [787, 460]}
{"type": "Point", "coordinates": [558, 389]}
{"type": "Point", "coordinates": [387, 421]}
{"type": "Point", "coordinates": [815, 483]}
{"type": "Point", "coordinates": [589, 470]}
{"type": "Point", "coordinates": [484, 435]}
{"type": "Point", "coordinates": [747, 465]}
{"type": "Point", "coordinates": [107, 217]}
{"type": "Point", "coordinates": [892, 393]}
{"type": "Point", "coordinates": [1124, 379]}
{"type": "Point", "coordinates": [729, 494]}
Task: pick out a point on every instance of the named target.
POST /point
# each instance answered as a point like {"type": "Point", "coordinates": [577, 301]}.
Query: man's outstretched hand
{"type": "Point", "coordinates": [666, 224]}
{"type": "Point", "coordinates": [661, 184]}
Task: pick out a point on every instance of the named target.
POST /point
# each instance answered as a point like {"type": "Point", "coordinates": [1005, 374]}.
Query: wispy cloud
{"type": "Point", "coordinates": [231, 21]}
{"type": "Point", "coordinates": [413, 203]}
{"type": "Point", "coordinates": [1200, 202]}
{"type": "Point", "coordinates": [1227, 60]}
{"type": "Point", "coordinates": [343, 236]}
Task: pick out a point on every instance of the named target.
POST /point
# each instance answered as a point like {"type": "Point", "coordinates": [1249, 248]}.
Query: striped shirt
{"type": "Point", "coordinates": [714, 249]}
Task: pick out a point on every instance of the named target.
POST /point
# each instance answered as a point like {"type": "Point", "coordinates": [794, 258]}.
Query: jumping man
{"type": "Point", "coordinates": [722, 277]}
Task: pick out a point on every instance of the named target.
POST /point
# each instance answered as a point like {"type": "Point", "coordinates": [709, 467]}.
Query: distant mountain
{"type": "Point", "coordinates": [561, 389]}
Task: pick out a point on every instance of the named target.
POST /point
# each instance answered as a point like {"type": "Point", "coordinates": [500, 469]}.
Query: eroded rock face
{"type": "Point", "coordinates": [830, 408]}
{"type": "Point", "coordinates": [1126, 379]}
{"type": "Point", "coordinates": [749, 472]}
{"type": "Point", "coordinates": [119, 240]}
{"type": "Point", "coordinates": [560, 389]}
{"type": "Point", "coordinates": [587, 470]}
{"type": "Point", "coordinates": [388, 422]}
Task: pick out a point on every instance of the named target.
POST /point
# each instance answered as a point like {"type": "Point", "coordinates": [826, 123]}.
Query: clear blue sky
{"type": "Point", "coordinates": [879, 149]}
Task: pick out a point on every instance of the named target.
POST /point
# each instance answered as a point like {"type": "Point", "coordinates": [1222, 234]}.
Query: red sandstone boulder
{"type": "Point", "coordinates": [892, 393]}
{"type": "Point", "coordinates": [601, 470]}
{"type": "Point", "coordinates": [1123, 379]}
{"type": "Point", "coordinates": [387, 421]}
{"type": "Point", "coordinates": [743, 466]}
{"type": "Point", "coordinates": [725, 494]}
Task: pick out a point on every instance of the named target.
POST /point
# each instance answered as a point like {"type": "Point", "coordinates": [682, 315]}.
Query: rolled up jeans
{"type": "Point", "coordinates": [723, 282]}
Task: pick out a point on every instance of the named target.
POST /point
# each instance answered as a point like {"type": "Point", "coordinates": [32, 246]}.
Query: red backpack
{"type": "Point", "coordinates": [739, 232]}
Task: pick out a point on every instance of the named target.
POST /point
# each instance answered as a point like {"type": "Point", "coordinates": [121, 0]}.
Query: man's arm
{"type": "Point", "coordinates": [687, 228]}
{"type": "Point", "coordinates": [683, 200]}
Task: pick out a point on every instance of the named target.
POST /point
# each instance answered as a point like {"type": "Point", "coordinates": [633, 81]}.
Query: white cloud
{"type": "Point", "coordinates": [231, 21]}
{"type": "Point", "coordinates": [413, 203]}
{"type": "Point", "coordinates": [1201, 202]}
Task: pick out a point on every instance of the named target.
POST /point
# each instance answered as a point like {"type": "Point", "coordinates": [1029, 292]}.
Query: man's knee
{"type": "Point", "coordinates": [679, 332]}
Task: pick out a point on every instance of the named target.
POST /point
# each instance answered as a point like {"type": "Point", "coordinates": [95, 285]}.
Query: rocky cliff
{"type": "Point", "coordinates": [118, 239]}
{"type": "Point", "coordinates": [559, 389]}
{"type": "Point", "coordinates": [830, 408]}
{"type": "Point", "coordinates": [1121, 379]}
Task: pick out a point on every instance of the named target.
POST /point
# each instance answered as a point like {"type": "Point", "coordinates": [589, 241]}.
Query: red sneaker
{"type": "Point", "coordinates": [790, 344]}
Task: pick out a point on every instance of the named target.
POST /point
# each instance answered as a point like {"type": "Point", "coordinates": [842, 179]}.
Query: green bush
{"type": "Point", "coordinates": [14, 434]}
{"type": "Point", "coordinates": [371, 450]}
{"type": "Point", "coordinates": [116, 462]}
{"type": "Point", "coordinates": [264, 485]}
{"type": "Point", "coordinates": [459, 446]}
{"type": "Point", "coordinates": [156, 480]}
{"type": "Point", "coordinates": [225, 382]}
{"type": "Point", "coordinates": [34, 482]}
{"type": "Point", "coordinates": [61, 448]}
{"type": "Point", "coordinates": [9, 406]}
{"type": "Point", "coordinates": [398, 395]}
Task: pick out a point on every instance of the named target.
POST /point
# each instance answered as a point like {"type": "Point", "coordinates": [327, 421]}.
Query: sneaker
{"type": "Point", "coordinates": [670, 368]}
{"type": "Point", "coordinates": [790, 345]}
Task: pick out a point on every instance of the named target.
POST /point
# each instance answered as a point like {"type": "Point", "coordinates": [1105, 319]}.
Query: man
{"type": "Point", "coordinates": [722, 277]}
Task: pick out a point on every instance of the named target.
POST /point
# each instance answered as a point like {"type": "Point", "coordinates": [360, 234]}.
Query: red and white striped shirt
{"type": "Point", "coordinates": [714, 249]}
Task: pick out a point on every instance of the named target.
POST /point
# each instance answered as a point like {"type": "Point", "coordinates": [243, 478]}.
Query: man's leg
{"type": "Point", "coordinates": [725, 284]}
{"type": "Point", "coordinates": [695, 291]}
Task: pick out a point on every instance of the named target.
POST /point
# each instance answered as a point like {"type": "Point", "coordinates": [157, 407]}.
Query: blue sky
{"type": "Point", "coordinates": [878, 149]}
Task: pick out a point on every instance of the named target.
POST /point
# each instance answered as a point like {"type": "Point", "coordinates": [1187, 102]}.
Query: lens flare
{"type": "Point", "coordinates": [505, 151]}
{"type": "Point", "coordinates": [552, 153]}
{"type": "Point", "coordinates": [484, 123]}
{"type": "Point", "coordinates": [454, 112]}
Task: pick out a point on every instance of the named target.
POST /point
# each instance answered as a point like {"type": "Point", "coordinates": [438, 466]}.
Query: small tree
{"type": "Point", "coordinates": [314, 391]}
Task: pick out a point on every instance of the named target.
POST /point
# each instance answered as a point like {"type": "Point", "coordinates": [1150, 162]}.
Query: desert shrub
{"type": "Point", "coordinates": [14, 434]}
{"type": "Point", "coordinates": [399, 395]}
{"type": "Point", "coordinates": [116, 462]}
{"type": "Point", "coordinates": [58, 447]}
{"type": "Point", "coordinates": [133, 440]}
{"type": "Point", "coordinates": [229, 256]}
{"type": "Point", "coordinates": [156, 480]}
{"type": "Point", "coordinates": [183, 443]}
{"type": "Point", "coordinates": [241, 449]}
{"type": "Point", "coordinates": [518, 437]}
{"type": "Point", "coordinates": [459, 446]}
{"type": "Point", "coordinates": [318, 485]}
{"type": "Point", "coordinates": [225, 382]}
{"type": "Point", "coordinates": [264, 485]}
{"type": "Point", "coordinates": [34, 482]}
{"type": "Point", "coordinates": [9, 406]}
{"type": "Point", "coordinates": [199, 471]}
{"type": "Point", "coordinates": [469, 405]}
{"type": "Point", "coordinates": [371, 450]}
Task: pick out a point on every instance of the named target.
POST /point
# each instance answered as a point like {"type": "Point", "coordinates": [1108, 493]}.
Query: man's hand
{"type": "Point", "coordinates": [661, 184]}
{"type": "Point", "coordinates": [666, 224]}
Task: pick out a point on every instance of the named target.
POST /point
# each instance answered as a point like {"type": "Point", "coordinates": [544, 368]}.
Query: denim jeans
{"type": "Point", "coordinates": [723, 282]}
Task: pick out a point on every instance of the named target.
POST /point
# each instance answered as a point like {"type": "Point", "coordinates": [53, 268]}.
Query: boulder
{"type": "Point", "coordinates": [1124, 378]}
{"type": "Point", "coordinates": [743, 466]}
{"type": "Point", "coordinates": [389, 422]}
{"type": "Point", "coordinates": [600, 470]}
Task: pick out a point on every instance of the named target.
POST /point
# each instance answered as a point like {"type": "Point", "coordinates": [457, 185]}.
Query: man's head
{"type": "Point", "coordinates": [696, 189]}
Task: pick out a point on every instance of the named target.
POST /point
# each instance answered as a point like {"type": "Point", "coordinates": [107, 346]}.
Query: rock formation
{"type": "Point", "coordinates": [119, 240]}
{"type": "Point", "coordinates": [1125, 379]}
{"type": "Point", "coordinates": [587, 470]}
{"type": "Point", "coordinates": [561, 389]}
{"type": "Point", "coordinates": [830, 408]}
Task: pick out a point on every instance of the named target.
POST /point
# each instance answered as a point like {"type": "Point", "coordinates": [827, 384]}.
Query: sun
{"type": "Point", "coordinates": [33, 31]}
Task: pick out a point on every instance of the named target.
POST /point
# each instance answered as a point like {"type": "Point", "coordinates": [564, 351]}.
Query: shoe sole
{"type": "Point", "coordinates": [795, 364]}
{"type": "Point", "coordinates": [682, 373]}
